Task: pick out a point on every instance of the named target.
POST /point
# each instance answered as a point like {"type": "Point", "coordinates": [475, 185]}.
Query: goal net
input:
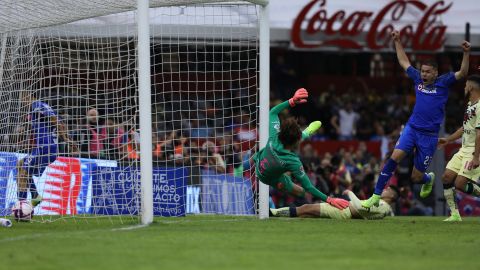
{"type": "Point", "coordinates": [69, 107]}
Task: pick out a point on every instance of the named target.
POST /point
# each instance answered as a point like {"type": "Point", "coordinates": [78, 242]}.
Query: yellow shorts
{"type": "Point", "coordinates": [328, 211]}
{"type": "Point", "coordinates": [459, 162]}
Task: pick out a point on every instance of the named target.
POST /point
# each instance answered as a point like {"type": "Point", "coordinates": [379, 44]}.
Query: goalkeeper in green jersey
{"type": "Point", "coordinates": [277, 158]}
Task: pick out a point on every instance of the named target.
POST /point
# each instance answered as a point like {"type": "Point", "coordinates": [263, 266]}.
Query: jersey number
{"type": "Point", "coordinates": [427, 161]}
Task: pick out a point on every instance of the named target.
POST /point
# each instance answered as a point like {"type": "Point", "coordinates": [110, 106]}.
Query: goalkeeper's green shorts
{"type": "Point", "coordinates": [284, 183]}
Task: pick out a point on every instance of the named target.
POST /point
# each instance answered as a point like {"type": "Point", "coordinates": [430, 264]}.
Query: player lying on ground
{"type": "Point", "coordinates": [278, 157]}
{"type": "Point", "coordinates": [463, 169]}
{"type": "Point", "coordinates": [354, 211]}
{"type": "Point", "coordinates": [44, 126]}
{"type": "Point", "coordinates": [421, 131]}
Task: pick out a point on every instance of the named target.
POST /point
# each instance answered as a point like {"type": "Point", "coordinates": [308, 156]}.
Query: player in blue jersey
{"type": "Point", "coordinates": [45, 127]}
{"type": "Point", "coordinates": [420, 134]}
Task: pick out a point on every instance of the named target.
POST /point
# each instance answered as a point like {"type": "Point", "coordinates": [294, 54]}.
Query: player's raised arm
{"type": "Point", "coordinates": [299, 97]}
{"type": "Point", "coordinates": [463, 72]}
{"type": "Point", "coordinates": [401, 55]}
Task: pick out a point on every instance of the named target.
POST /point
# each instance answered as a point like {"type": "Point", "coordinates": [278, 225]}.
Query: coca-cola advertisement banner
{"type": "Point", "coordinates": [365, 25]}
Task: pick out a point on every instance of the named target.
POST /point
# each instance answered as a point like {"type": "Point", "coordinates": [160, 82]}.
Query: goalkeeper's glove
{"type": "Point", "coordinates": [300, 97]}
{"type": "Point", "coordinates": [338, 203]}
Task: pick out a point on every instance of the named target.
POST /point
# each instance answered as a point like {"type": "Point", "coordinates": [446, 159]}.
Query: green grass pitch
{"type": "Point", "coordinates": [220, 242]}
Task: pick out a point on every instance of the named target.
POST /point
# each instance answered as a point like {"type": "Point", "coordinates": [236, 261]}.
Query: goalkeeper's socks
{"type": "Point", "coordinates": [293, 211]}
{"type": "Point", "coordinates": [385, 175]}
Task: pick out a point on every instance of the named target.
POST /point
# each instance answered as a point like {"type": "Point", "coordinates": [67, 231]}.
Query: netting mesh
{"type": "Point", "coordinates": [204, 104]}
{"type": "Point", "coordinates": [26, 14]}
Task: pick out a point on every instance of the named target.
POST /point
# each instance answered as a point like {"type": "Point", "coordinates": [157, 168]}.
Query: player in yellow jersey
{"type": "Point", "coordinates": [463, 169]}
{"type": "Point", "coordinates": [353, 211]}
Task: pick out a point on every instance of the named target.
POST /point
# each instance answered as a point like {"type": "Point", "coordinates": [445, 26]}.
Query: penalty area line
{"type": "Point", "coordinates": [24, 237]}
{"type": "Point", "coordinates": [129, 228]}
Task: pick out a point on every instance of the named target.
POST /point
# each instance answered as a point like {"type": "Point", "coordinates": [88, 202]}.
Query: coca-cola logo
{"type": "Point", "coordinates": [344, 29]}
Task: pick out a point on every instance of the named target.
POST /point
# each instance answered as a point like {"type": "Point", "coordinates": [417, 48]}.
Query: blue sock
{"type": "Point", "coordinates": [426, 178]}
{"type": "Point", "coordinates": [385, 175]}
{"type": "Point", "coordinates": [33, 188]}
{"type": "Point", "coordinates": [22, 195]}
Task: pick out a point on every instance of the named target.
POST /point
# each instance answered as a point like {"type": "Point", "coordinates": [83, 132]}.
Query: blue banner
{"type": "Point", "coordinates": [7, 166]}
{"type": "Point", "coordinates": [169, 191]}
{"type": "Point", "coordinates": [226, 194]}
{"type": "Point", "coordinates": [101, 187]}
{"type": "Point", "coordinates": [116, 191]}
{"type": "Point", "coordinates": [113, 191]}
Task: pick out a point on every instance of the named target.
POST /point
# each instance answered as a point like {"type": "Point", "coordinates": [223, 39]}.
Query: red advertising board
{"type": "Point", "coordinates": [366, 29]}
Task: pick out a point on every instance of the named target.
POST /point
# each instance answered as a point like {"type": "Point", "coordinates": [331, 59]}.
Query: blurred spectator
{"type": "Point", "coordinates": [114, 140]}
{"type": "Point", "coordinates": [382, 138]}
{"type": "Point", "coordinates": [199, 129]}
{"type": "Point", "coordinates": [213, 160]}
{"type": "Point", "coordinates": [364, 126]}
{"type": "Point", "coordinates": [156, 148]}
{"type": "Point", "coordinates": [89, 135]}
{"type": "Point", "coordinates": [309, 156]}
{"type": "Point", "coordinates": [344, 122]}
{"type": "Point", "coordinates": [167, 147]}
{"type": "Point", "coordinates": [133, 145]}
{"type": "Point", "coordinates": [179, 144]}
{"type": "Point", "coordinates": [246, 131]}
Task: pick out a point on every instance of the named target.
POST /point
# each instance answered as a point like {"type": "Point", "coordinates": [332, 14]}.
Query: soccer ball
{"type": "Point", "coordinates": [22, 211]}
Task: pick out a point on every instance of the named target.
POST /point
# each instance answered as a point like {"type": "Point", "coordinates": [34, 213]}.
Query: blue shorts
{"type": "Point", "coordinates": [39, 159]}
{"type": "Point", "coordinates": [424, 144]}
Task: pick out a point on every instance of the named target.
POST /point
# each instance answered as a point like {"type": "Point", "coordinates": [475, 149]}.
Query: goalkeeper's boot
{"type": "Point", "coordinates": [372, 201]}
{"type": "Point", "coordinates": [280, 212]}
{"type": "Point", "coordinates": [427, 188]}
{"type": "Point", "coordinates": [37, 200]}
{"type": "Point", "coordinates": [313, 127]}
{"type": "Point", "coordinates": [454, 217]}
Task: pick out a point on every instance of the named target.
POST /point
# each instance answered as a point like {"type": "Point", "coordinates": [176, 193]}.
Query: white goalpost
{"type": "Point", "coordinates": [132, 109]}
